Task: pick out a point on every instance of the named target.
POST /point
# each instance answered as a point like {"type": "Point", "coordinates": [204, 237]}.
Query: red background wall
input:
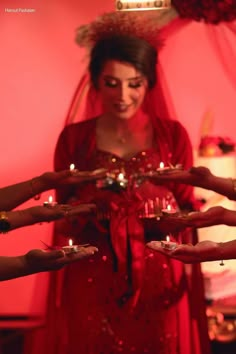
{"type": "Point", "coordinates": [40, 66]}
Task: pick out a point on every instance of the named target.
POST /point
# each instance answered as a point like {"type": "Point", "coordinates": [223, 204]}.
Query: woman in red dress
{"type": "Point", "coordinates": [127, 299]}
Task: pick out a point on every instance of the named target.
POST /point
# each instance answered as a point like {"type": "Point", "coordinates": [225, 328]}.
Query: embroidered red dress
{"type": "Point", "coordinates": [126, 299]}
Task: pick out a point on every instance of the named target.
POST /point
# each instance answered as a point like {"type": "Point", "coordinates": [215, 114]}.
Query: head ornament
{"type": "Point", "coordinates": [115, 24]}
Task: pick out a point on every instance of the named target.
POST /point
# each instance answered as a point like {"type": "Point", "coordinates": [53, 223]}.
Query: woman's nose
{"type": "Point", "coordinates": [124, 92]}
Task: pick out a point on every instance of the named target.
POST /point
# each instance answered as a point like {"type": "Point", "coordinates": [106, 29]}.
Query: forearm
{"type": "Point", "coordinates": [13, 267]}
{"type": "Point", "coordinates": [16, 194]}
{"type": "Point", "coordinates": [226, 250]}
{"type": "Point", "coordinates": [228, 217]}
{"type": "Point", "coordinates": [221, 185]}
{"type": "Point", "coordinates": [218, 251]}
{"type": "Point", "coordinates": [20, 218]}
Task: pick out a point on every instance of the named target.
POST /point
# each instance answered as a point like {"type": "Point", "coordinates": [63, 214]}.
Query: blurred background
{"type": "Point", "coordinates": [40, 67]}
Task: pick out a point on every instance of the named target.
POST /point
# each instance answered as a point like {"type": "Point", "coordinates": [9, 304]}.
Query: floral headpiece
{"type": "Point", "coordinates": [118, 23]}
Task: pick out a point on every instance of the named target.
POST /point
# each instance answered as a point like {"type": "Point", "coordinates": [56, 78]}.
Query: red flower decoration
{"type": "Point", "coordinates": [216, 145]}
{"type": "Point", "coordinates": [210, 11]}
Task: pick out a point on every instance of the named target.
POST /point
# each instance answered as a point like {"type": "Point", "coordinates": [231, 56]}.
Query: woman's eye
{"type": "Point", "coordinates": [136, 84]}
{"type": "Point", "coordinates": [110, 83]}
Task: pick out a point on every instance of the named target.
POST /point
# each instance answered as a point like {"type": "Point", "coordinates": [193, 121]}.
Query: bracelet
{"type": "Point", "coordinates": [222, 261]}
{"type": "Point", "coordinates": [234, 184]}
{"type": "Point", "coordinates": [5, 225]}
{"type": "Point", "coordinates": [33, 194]}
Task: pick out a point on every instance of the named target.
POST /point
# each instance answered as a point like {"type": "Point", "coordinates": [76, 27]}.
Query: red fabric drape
{"type": "Point", "coordinates": [223, 39]}
{"type": "Point", "coordinates": [211, 11]}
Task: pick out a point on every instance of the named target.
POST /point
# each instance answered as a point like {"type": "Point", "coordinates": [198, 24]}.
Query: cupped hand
{"type": "Point", "coordinates": [38, 260]}
{"type": "Point", "coordinates": [67, 177]}
{"type": "Point", "coordinates": [42, 213]}
{"type": "Point", "coordinates": [194, 176]}
{"type": "Point", "coordinates": [196, 219]}
{"type": "Point", "coordinates": [187, 253]}
{"type": "Point", "coordinates": [210, 217]}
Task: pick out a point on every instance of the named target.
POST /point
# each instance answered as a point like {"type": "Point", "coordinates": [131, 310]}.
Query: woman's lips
{"type": "Point", "coordinates": [122, 107]}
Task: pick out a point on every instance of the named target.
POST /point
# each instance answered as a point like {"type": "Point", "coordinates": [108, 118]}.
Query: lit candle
{"type": "Point", "coordinates": [168, 169]}
{"type": "Point", "coordinates": [162, 168]}
{"type": "Point", "coordinates": [120, 176]}
{"type": "Point", "coordinates": [70, 248]}
{"type": "Point", "coordinates": [73, 170]}
{"type": "Point", "coordinates": [50, 202]}
{"type": "Point", "coordinates": [121, 180]}
{"type": "Point", "coordinates": [169, 210]}
{"type": "Point", "coordinates": [168, 245]}
{"type": "Point", "coordinates": [72, 166]}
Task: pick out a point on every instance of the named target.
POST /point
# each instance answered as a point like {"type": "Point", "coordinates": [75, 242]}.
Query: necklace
{"type": "Point", "coordinates": [121, 139]}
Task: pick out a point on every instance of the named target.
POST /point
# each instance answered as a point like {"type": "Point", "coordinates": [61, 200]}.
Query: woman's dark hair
{"type": "Point", "coordinates": [133, 50]}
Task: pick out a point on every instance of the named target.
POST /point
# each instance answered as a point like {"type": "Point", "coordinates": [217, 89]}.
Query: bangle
{"type": "Point", "coordinates": [234, 184]}
{"type": "Point", "coordinates": [222, 261]}
{"type": "Point", "coordinates": [5, 225]}
{"type": "Point", "coordinates": [34, 195]}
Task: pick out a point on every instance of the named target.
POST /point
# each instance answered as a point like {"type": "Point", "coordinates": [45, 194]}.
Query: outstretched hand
{"type": "Point", "coordinates": [46, 213]}
{"type": "Point", "coordinates": [197, 219]}
{"type": "Point", "coordinates": [201, 252]}
{"type": "Point", "coordinates": [40, 261]}
{"type": "Point", "coordinates": [66, 177]}
{"type": "Point", "coordinates": [194, 176]}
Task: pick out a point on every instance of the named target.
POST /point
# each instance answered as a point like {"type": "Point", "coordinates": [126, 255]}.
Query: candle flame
{"type": "Point", "coordinates": [169, 207]}
{"type": "Point", "coordinates": [120, 176]}
{"type": "Point", "coordinates": [168, 238]}
{"type": "Point", "coordinates": [50, 199]}
{"type": "Point", "coordinates": [72, 166]}
{"type": "Point", "coordinates": [70, 242]}
{"type": "Point", "coordinates": [162, 165]}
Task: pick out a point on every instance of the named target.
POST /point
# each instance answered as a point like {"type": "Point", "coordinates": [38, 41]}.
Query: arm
{"type": "Point", "coordinates": [204, 251]}
{"type": "Point", "coordinates": [205, 179]}
{"type": "Point", "coordinates": [36, 261]}
{"type": "Point", "coordinates": [14, 195]}
{"type": "Point", "coordinates": [201, 177]}
{"type": "Point", "coordinates": [40, 213]}
{"type": "Point", "coordinates": [213, 216]}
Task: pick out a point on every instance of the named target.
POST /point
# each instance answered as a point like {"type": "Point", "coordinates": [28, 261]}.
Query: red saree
{"type": "Point", "coordinates": [127, 299]}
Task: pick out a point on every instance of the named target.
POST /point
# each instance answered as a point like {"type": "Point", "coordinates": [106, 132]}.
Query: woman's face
{"type": "Point", "coordinates": [122, 89]}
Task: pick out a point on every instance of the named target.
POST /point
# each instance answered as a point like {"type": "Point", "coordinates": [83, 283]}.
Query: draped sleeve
{"type": "Point", "coordinates": [182, 154]}
{"type": "Point", "coordinates": [74, 145]}
{"type": "Point", "coordinates": [175, 147]}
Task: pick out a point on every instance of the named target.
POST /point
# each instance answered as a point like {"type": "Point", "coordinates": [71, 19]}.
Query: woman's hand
{"type": "Point", "coordinates": [202, 252]}
{"type": "Point", "coordinates": [51, 180]}
{"type": "Point", "coordinates": [197, 219]}
{"type": "Point", "coordinates": [210, 217]}
{"type": "Point", "coordinates": [40, 261]}
{"type": "Point", "coordinates": [40, 213]}
{"type": "Point", "coordinates": [37, 260]}
{"type": "Point", "coordinates": [58, 211]}
{"type": "Point", "coordinates": [195, 176]}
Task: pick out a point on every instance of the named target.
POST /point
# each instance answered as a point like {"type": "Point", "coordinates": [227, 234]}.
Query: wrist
{"type": "Point", "coordinates": [5, 224]}
{"type": "Point", "coordinates": [20, 218]}
{"type": "Point", "coordinates": [208, 182]}
{"type": "Point", "coordinates": [232, 193]}
{"type": "Point", "coordinates": [38, 185]}
{"type": "Point", "coordinates": [25, 265]}
{"type": "Point", "coordinates": [216, 252]}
